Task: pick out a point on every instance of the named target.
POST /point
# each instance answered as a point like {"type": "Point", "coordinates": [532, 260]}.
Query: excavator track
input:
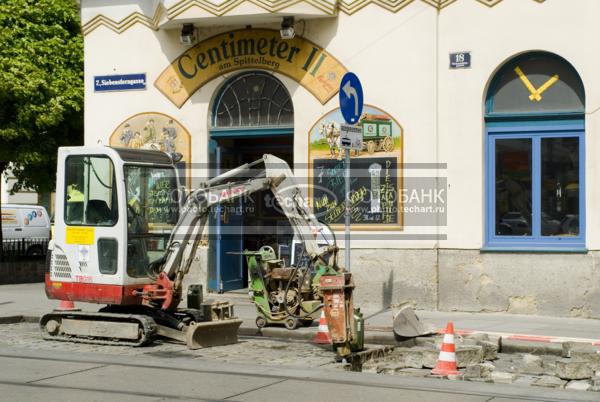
{"type": "Point", "coordinates": [98, 328]}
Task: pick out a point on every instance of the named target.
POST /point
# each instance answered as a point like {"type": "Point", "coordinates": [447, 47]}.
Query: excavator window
{"type": "Point", "coordinates": [152, 212]}
{"type": "Point", "coordinates": [90, 192]}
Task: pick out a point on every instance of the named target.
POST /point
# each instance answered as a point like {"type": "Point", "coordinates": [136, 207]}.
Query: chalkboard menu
{"type": "Point", "coordinates": [374, 191]}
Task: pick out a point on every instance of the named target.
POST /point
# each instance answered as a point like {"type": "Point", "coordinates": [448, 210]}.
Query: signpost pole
{"type": "Point", "coordinates": [347, 215]}
{"type": "Point", "coordinates": [351, 105]}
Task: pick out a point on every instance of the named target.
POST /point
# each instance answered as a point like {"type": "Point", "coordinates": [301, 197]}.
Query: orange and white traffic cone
{"type": "Point", "coordinates": [323, 336]}
{"type": "Point", "coordinates": [66, 305]}
{"type": "Point", "coordinates": [446, 363]}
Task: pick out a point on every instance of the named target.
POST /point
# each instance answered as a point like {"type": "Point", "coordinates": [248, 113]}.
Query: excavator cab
{"type": "Point", "coordinates": [115, 210]}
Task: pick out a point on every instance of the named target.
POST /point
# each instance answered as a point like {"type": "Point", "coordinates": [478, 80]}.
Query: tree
{"type": "Point", "coordinates": [41, 87]}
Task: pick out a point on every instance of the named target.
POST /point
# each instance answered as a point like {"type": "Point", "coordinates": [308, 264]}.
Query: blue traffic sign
{"type": "Point", "coordinates": [351, 98]}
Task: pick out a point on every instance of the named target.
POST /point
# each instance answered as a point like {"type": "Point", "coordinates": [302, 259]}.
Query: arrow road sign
{"type": "Point", "coordinates": [351, 98]}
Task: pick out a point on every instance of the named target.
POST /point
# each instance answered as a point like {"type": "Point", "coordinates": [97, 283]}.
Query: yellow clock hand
{"type": "Point", "coordinates": [543, 88]}
{"type": "Point", "coordinates": [526, 82]}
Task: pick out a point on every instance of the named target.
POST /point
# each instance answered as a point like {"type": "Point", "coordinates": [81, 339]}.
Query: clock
{"type": "Point", "coordinates": [535, 93]}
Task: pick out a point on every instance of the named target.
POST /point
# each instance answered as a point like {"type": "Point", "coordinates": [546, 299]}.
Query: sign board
{"type": "Point", "coordinates": [460, 60]}
{"type": "Point", "coordinates": [300, 59]}
{"type": "Point", "coordinates": [374, 191]}
{"type": "Point", "coordinates": [351, 98]}
{"type": "Point", "coordinates": [351, 137]}
{"type": "Point", "coordinates": [106, 83]}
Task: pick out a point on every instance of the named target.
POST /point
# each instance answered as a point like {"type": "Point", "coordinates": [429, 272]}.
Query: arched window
{"type": "Point", "coordinates": [253, 99]}
{"type": "Point", "coordinates": [535, 195]}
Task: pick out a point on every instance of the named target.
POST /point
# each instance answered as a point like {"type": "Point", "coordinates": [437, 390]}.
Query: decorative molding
{"type": "Point", "coordinates": [439, 4]}
{"type": "Point", "coordinates": [492, 3]}
{"type": "Point", "coordinates": [125, 23]}
{"type": "Point", "coordinates": [352, 6]}
{"type": "Point", "coordinates": [219, 9]}
{"type": "Point", "coordinates": [272, 6]}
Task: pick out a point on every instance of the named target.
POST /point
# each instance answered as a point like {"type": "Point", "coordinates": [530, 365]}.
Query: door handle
{"type": "Point", "coordinates": [18, 229]}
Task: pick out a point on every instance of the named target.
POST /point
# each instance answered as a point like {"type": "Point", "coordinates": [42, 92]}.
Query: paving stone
{"type": "Point", "coordinates": [430, 357]}
{"type": "Point", "coordinates": [507, 362]}
{"type": "Point", "coordinates": [526, 380]}
{"type": "Point", "coordinates": [467, 355]}
{"type": "Point", "coordinates": [490, 349]}
{"type": "Point", "coordinates": [578, 385]}
{"type": "Point", "coordinates": [426, 341]}
{"type": "Point", "coordinates": [595, 383]}
{"type": "Point", "coordinates": [414, 358]}
{"type": "Point", "coordinates": [480, 370]}
{"type": "Point", "coordinates": [592, 357]}
{"type": "Point", "coordinates": [473, 371]}
{"type": "Point", "coordinates": [410, 357]}
{"type": "Point", "coordinates": [500, 377]}
{"type": "Point", "coordinates": [569, 369]}
{"type": "Point", "coordinates": [469, 341]}
{"type": "Point", "coordinates": [549, 364]}
{"type": "Point", "coordinates": [531, 364]}
{"type": "Point", "coordinates": [569, 347]}
{"type": "Point", "coordinates": [479, 336]}
{"type": "Point", "coordinates": [549, 381]}
{"type": "Point", "coordinates": [456, 377]}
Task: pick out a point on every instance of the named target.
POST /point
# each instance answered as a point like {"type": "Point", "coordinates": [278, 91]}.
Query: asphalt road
{"type": "Point", "coordinates": [27, 374]}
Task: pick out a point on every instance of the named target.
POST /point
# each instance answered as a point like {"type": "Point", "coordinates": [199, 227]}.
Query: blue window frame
{"type": "Point", "coordinates": [536, 236]}
{"type": "Point", "coordinates": [535, 156]}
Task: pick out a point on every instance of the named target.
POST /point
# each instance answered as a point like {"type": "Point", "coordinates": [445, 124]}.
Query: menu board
{"type": "Point", "coordinates": [374, 190]}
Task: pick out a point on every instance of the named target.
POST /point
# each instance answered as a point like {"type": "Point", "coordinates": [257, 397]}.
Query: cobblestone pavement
{"type": "Point", "coordinates": [248, 350]}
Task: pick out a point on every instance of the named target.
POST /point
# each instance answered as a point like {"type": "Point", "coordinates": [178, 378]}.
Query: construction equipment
{"type": "Point", "coordinates": [407, 324]}
{"type": "Point", "coordinates": [125, 237]}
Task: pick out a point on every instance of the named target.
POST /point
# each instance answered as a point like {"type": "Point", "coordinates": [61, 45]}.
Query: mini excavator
{"type": "Point", "coordinates": [126, 234]}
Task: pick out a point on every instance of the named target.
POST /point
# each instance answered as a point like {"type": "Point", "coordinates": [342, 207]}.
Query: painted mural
{"type": "Point", "coordinates": [376, 171]}
{"type": "Point", "coordinates": [154, 131]}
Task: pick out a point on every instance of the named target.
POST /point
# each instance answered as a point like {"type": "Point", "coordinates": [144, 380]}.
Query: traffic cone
{"type": "Point", "coordinates": [323, 336]}
{"type": "Point", "coordinates": [446, 363]}
{"type": "Point", "coordinates": [66, 305]}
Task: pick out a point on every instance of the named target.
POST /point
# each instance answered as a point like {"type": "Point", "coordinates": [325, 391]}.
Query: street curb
{"type": "Point", "coordinates": [286, 334]}
{"type": "Point", "coordinates": [536, 348]}
{"type": "Point", "coordinates": [507, 343]}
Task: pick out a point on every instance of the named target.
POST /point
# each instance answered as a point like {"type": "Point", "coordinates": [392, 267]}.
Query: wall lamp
{"type": "Point", "coordinates": [188, 34]}
{"type": "Point", "coordinates": [287, 28]}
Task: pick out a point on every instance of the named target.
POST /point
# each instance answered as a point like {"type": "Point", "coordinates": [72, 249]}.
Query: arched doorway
{"type": "Point", "coordinates": [252, 114]}
{"type": "Point", "coordinates": [535, 155]}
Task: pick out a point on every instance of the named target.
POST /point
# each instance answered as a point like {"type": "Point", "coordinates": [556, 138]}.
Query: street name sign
{"type": "Point", "coordinates": [127, 82]}
{"type": "Point", "coordinates": [351, 137]}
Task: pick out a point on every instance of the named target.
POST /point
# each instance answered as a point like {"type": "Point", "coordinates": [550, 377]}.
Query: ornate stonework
{"type": "Point", "coordinates": [224, 7]}
{"type": "Point", "coordinates": [220, 8]}
{"type": "Point", "coordinates": [125, 23]}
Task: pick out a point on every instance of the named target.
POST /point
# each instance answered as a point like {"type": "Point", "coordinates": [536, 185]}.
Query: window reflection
{"type": "Point", "coordinates": [513, 187]}
{"type": "Point", "coordinates": [560, 186]}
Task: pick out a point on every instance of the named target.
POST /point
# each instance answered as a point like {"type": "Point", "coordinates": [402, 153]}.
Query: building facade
{"type": "Point", "coordinates": [476, 183]}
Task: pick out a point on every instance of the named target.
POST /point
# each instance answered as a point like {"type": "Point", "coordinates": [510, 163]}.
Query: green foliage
{"type": "Point", "coordinates": [41, 86]}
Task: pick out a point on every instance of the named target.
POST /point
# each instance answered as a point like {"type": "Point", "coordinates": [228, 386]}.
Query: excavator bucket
{"type": "Point", "coordinates": [212, 333]}
{"type": "Point", "coordinates": [407, 324]}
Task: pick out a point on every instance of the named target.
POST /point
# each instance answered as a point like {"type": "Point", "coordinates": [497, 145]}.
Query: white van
{"type": "Point", "coordinates": [28, 222]}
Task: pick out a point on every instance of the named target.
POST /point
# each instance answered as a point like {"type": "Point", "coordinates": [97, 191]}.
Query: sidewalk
{"type": "Point", "coordinates": [30, 300]}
